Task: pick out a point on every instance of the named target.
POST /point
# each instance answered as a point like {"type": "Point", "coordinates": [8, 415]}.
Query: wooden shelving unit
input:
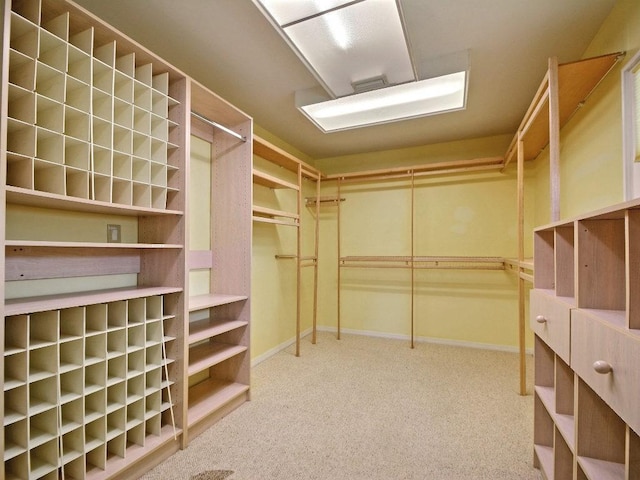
{"type": "Point", "coordinates": [217, 334]}
{"type": "Point", "coordinates": [563, 90]}
{"type": "Point", "coordinates": [585, 317]}
{"type": "Point", "coordinates": [104, 377]}
{"type": "Point", "coordinates": [293, 172]}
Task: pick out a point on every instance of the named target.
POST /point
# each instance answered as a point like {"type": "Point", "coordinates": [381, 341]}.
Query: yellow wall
{"type": "Point", "coordinates": [467, 215]}
{"type": "Point", "coordinates": [591, 163]}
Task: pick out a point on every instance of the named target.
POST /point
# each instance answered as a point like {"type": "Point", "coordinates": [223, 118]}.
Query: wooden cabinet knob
{"type": "Point", "coordinates": [541, 319]}
{"type": "Point", "coordinates": [602, 367]}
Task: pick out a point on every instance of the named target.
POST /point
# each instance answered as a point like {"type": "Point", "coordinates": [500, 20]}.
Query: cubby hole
{"type": "Point", "coordinates": [600, 436]}
{"type": "Point", "coordinates": [15, 333]}
{"type": "Point", "coordinates": [141, 170]}
{"type": "Point", "coordinates": [71, 385]}
{"type": "Point", "coordinates": [79, 67]}
{"type": "Point", "coordinates": [22, 104]}
{"type": "Point", "coordinates": [16, 440]}
{"type": "Point", "coordinates": [17, 467]}
{"type": "Point", "coordinates": [543, 431]}
{"type": "Point", "coordinates": [95, 436]}
{"type": "Point", "coordinates": [72, 446]}
{"type": "Point", "coordinates": [19, 171]}
{"type": "Point", "coordinates": [24, 36]}
{"type": "Point", "coordinates": [96, 319]}
{"type": "Point", "coordinates": [116, 343]}
{"type": "Point", "coordinates": [154, 332]}
{"type": "Point", "coordinates": [21, 138]}
{"type": "Point", "coordinates": [102, 79]}
{"type": "Point", "coordinates": [126, 64]}
{"type": "Point", "coordinates": [27, 9]}
{"type": "Point", "coordinates": [106, 53]}
{"type": "Point", "coordinates": [71, 357]}
{"type": "Point", "coordinates": [102, 104]}
{"type": "Point", "coordinates": [53, 51]}
{"type": "Point", "coordinates": [141, 121]}
{"type": "Point", "coordinates": [77, 154]}
{"type": "Point", "coordinates": [43, 428]}
{"type": "Point", "coordinates": [22, 71]}
{"type": "Point", "coordinates": [101, 188]}
{"type": "Point", "coordinates": [135, 365]}
{"type": "Point", "coordinates": [16, 406]}
{"type": "Point", "coordinates": [43, 329]}
{"type": "Point", "coordinates": [158, 197]}
{"type": "Point", "coordinates": [121, 166]}
{"type": "Point", "coordinates": [95, 348]}
{"type": "Point", "coordinates": [116, 370]}
{"type": "Point", "coordinates": [49, 177]}
{"type": "Point", "coordinates": [77, 183]}
{"type": "Point", "coordinates": [601, 264]}
{"type": "Point", "coordinates": [71, 323]}
{"type": "Point", "coordinates": [159, 104]}
{"type": "Point", "coordinates": [141, 195]}
{"type": "Point", "coordinates": [96, 459]}
{"type": "Point", "coordinates": [72, 415]}
{"type": "Point", "coordinates": [44, 460]}
{"type": "Point", "coordinates": [58, 26]}
{"type": "Point", "coordinates": [153, 380]}
{"type": "Point", "coordinates": [159, 128]}
{"type": "Point", "coordinates": [50, 82]}
{"type": "Point", "coordinates": [43, 395]}
{"type": "Point", "coordinates": [142, 146]}
{"type": "Point", "coordinates": [144, 74]}
{"type": "Point", "coordinates": [121, 191]}
{"type": "Point", "coordinates": [122, 140]}
{"type": "Point", "coordinates": [135, 417]}
{"type": "Point", "coordinates": [142, 95]}
{"type": "Point", "coordinates": [117, 314]}
{"type": "Point", "coordinates": [77, 124]}
{"type": "Point", "coordinates": [158, 151]}
{"type": "Point", "coordinates": [75, 469]}
{"type": "Point", "coordinates": [49, 146]}
{"type": "Point", "coordinates": [123, 87]}
{"type": "Point", "coordinates": [95, 378]}
{"type": "Point", "coordinates": [49, 114]}
{"type": "Point", "coordinates": [82, 40]}
{"type": "Point", "coordinates": [15, 370]}
{"type": "Point", "coordinates": [95, 405]}
{"type": "Point", "coordinates": [102, 161]}
{"type": "Point", "coordinates": [123, 114]}
{"type": "Point", "coordinates": [158, 174]}
{"type": "Point", "coordinates": [153, 357]}
{"type": "Point", "coordinates": [116, 396]}
{"type": "Point", "coordinates": [160, 82]}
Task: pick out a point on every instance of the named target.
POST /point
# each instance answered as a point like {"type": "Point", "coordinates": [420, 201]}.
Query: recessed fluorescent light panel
{"type": "Point", "coordinates": [359, 53]}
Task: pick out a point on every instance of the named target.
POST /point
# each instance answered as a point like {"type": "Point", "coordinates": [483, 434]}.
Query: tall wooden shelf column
{"type": "Point", "coordinates": [564, 89]}
{"type": "Point", "coordinates": [302, 171]}
{"type": "Point", "coordinates": [217, 335]}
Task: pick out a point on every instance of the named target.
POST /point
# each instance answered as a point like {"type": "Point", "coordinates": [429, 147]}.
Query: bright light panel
{"type": "Point", "coordinates": [346, 45]}
{"type": "Point", "coordinates": [399, 102]}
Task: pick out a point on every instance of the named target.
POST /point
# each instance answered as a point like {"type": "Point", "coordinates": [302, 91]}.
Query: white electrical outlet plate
{"type": "Point", "coordinates": [113, 233]}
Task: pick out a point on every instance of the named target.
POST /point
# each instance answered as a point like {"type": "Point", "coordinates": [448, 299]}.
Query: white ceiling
{"type": "Point", "coordinates": [230, 47]}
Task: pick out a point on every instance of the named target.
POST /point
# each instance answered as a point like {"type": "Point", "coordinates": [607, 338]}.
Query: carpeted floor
{"type": "Point", "coordinates": [366, 408]}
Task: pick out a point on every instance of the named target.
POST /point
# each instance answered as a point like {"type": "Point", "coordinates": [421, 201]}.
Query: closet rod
{"type": "Point", "coordinates": [217, 125]}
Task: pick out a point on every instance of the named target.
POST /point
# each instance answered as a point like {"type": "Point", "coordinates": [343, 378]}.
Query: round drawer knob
{"type": "Point", "coordinates": [602, 367]}
{"type": "Point", "coordinates": [541, 319]}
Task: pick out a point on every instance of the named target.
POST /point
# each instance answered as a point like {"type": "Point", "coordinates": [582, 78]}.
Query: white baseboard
{"type": "Point", "coordinates": [439, 341]}
{"type": "Point", "coordinates": [278, 348]}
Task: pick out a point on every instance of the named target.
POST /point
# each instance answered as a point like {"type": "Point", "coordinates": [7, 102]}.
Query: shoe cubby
{"type": "Point", "coordinates": [83, 383]}
{"type": "Point", "coordinates": [68, 80]}
{"type": "Point", "coordinates": [590, 261]}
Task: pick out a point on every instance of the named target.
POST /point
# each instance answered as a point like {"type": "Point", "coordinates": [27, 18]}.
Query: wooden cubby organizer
{"type": "Point", "coordinates": [218, 366]}
{"type": "Point", "coordinates": [584, 312]}
{"type": "Point", "coordinates": [97, 350]}
{"type": "Point", "coordinates": [279, 170]}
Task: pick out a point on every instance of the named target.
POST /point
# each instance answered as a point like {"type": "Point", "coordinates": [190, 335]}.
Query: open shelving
{"type": "Point", "coordinates": [587, 343]}
{"type": "Point", "coordinates": [277, 169]}
{"type": "Point", "coordinates": [217, 360]}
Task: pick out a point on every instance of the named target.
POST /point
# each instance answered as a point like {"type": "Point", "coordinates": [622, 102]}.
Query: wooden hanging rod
{"type": "Point", "coordinates": [314, 200]}
{"type": "Point", "coordinates": [218, 126]}
{"type": "Point", "coordinates": [450, 167]}
{"type": "Point", "coordinates": [424, 262]}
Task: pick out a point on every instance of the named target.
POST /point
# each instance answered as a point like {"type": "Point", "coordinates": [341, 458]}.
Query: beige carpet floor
{"type": "Point", "coordinates": [365, 408]}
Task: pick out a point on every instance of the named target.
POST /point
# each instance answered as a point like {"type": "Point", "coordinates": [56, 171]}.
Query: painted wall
{"type": "Point", "coordinates": [469, 215]}
{"type": "Point", "coordinates": [591, 163]}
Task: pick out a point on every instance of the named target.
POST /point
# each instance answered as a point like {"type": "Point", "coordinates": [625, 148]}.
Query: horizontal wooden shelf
{"type": "Point", "coordinates": [132, 246]}
{"type": "Point", "coordinates": [270, 181]}
{"type": "Point", "coordinates": [595, 468]}
{"type": "Point", "coordinates": [209, 354]}
{"type": "Point", "coordinates": [209, 396]}
{"type": "Point", "coordinates": [272, 213]}
{"type": "Point", "coordinates": [203, 329]}
{"type": "Point", "coordinates": [576, 81]}
{"type": "Point", "coordinates": [23, 196]}
{"type": "Point", "coordinates": [278, 156]}
{"type": "Point", "coordinates": [200, 302]}
{"type": "Point", "coordinates": [21, 306]}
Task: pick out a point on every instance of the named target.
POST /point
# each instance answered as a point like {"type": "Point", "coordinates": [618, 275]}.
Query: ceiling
{"type": "Point", "coordinates": [230, 47]}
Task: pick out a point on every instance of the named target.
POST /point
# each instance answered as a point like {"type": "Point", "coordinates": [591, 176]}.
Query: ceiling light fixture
{"type": "Point", "coordinates": [359, 53]}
